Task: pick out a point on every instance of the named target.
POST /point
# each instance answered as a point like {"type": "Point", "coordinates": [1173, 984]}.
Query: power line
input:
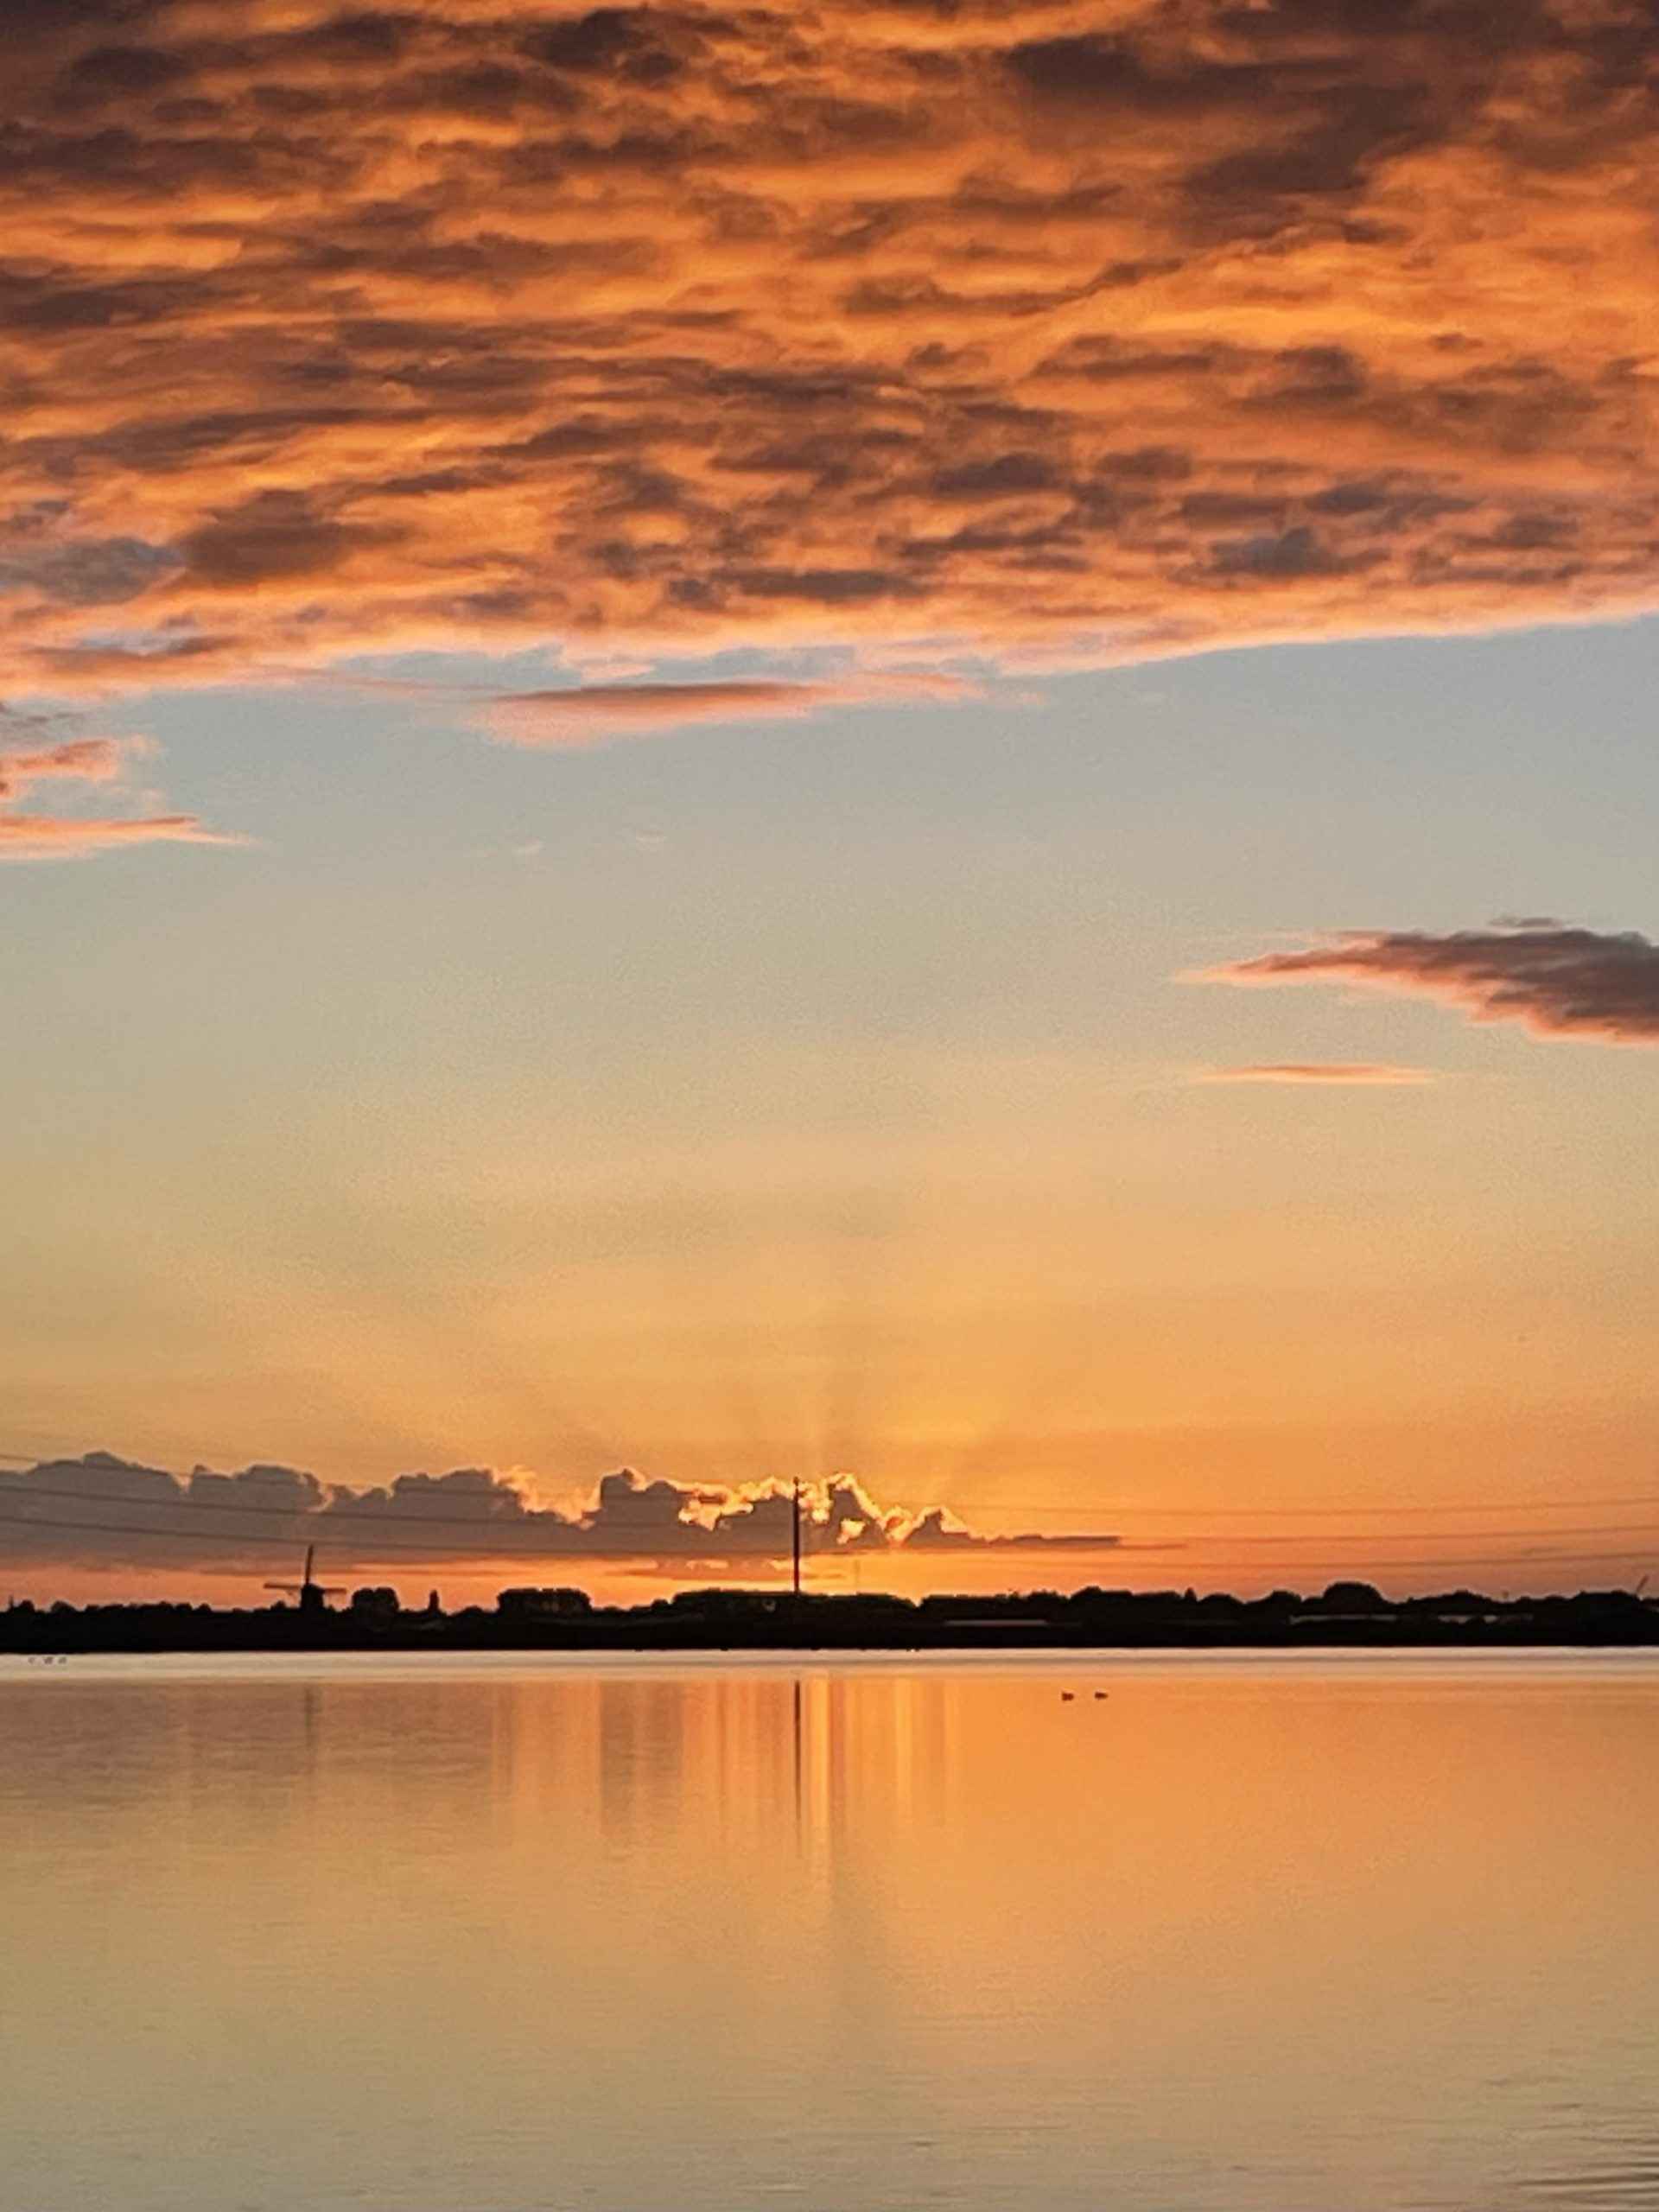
{"type": "Point", "coordinates": [372, 1551]}
{"type": "Point", "coordinates": [302, 1511]}
{"type": "Point", "coordinates": [1114, 1509]}
{"type": "Point", "coordinates": [1409, 1535]}
{"type": "Point", "coordinates": [1153, 1512]}
{"type": "Point", "coordinates": [312, 1509]}
{"type": "Point", "coordinates": [314, 1528]}
{"type": "Point", "coordinates": [360, 1548]}
{"type": "Point", "coordinates": [328, 1513]}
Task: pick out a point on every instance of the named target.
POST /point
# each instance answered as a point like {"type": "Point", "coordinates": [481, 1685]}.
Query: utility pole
{"type": "Point", "coordinates": [795, 1578]}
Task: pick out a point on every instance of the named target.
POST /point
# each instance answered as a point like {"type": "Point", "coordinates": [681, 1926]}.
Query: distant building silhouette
{"type": "Point", "coordinates": [534, 1605]}
{"type": "Point", "coordinates": [1350, 1615]}
{"type": "Point", "coordinates": [1353, 1600]}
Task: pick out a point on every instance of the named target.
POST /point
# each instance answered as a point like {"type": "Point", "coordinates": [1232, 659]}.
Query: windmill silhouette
{"type": "Point", "coordinates": [313, 1597]}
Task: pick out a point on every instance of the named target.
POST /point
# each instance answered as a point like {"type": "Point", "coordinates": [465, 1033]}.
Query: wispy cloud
{"type": "Point", "coordinates": [1085, 327]}
{"type": "Point", "coordinates": [1555, 981]}
{"type": "Point", "coordinates": [1364, 1074]}
{"type": "Point", "coordinates": [46, 838]}
{"type": "Point", "coordinates": [99, 762]}
{"type": "Point", "coordinates": [591, 713]}
{"type": "Point", "coordinates": [80, 759]}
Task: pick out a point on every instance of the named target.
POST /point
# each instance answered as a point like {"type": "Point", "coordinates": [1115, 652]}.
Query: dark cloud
{"type": "Point", "coordinates": [1107, 71]}
{"type": "Point", "coordinates": [1094, 327]}
{"type": "Point", "coordinates": [277, 536]}
{"type": "Point", "coordinates": [99, 1510]}
{"type": "Point", "coordinates": [115, 75]}
{"type": "Point", "coordinates": [84, 572]}
{"type": "Point", "coordinates": [1289, 554]}
{"type": "Point", "coordinates": [1556, 982]}
{"type": "Point", "coordinates": [635, 43]}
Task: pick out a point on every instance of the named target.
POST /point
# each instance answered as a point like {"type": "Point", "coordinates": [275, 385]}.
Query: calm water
{"type": "Point", "coordinates": [464, 1936]}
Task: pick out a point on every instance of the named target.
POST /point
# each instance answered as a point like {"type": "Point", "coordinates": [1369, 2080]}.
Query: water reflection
{"type": "Point", "coordinates": [1271, 1940]}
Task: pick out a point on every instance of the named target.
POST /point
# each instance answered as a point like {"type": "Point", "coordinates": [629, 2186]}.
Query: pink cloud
{"type": "Point", "coordinates": [80, 759]}
{"type": "Point", "coordinates": [96, 760]}
{"type": "Point", "coordinates": [1381, 1074]}
{"type": "Point", "coordinates": [43, 836]}
{"type": "Point", "coordinates": [591, 713]}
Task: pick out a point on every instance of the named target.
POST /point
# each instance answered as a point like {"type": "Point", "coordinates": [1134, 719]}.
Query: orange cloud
{"type": "Point", "coordinates": [1089, 328]}
{"type": "Point", "coordinates": [1365, 1073]}
{"type": "Point", "coordinates": [1556, 982]}
{"type": "Point", "coordinates": [99, 760]}
{"type": "Point", "coordinates": [84, 759]}
{"type": "Point", "coordinates": [44, 837]}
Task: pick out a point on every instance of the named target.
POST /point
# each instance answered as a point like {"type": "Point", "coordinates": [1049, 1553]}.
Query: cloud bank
{"type": "Point", "coordinates": [1095, 328]}
{"type": "Point", "coordinates": [1556, 982]}
{"type": "Point", "coordinates": [99, 1510]}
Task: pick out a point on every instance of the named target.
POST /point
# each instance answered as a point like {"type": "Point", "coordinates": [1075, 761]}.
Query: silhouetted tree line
{"type": "Point", "coordinates": [1344, 1613]}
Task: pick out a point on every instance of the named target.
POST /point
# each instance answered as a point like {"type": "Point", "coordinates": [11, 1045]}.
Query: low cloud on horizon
{"type": "Point", "coordinates": [101, 1512]}
{"type": "Point", "coordinates": [1087, 329]}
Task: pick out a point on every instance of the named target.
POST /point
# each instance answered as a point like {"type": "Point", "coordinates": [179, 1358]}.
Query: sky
{"type": "Point", "coordinates": [909, 743]}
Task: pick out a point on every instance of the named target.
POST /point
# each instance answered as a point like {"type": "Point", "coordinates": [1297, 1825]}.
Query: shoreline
{"type": "Point", "coordinates": [818, 1627]}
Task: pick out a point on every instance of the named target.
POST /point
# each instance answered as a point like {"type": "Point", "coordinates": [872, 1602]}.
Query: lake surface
{"type": "Point", "coordinates": [1244, 1935]}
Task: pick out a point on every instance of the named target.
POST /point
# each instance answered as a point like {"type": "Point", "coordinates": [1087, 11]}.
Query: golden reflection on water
{"type": "Point", "coordinates": [484, 1938]}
